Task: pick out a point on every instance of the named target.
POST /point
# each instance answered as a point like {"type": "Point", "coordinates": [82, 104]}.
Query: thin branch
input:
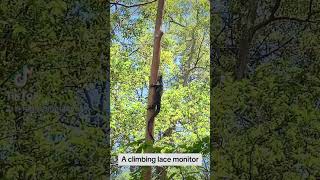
{"type": "Point", "coordinates": [199, 52]}
{"type": "Point", "coordinates": [275, 50]}
{"type": "Point", "coordinates": [257, 49]}
{"type": "Point", "coordinates": [221, 31]}
{"type": "Point", "coordinates": [265, 23]}
{"type": "Point", "coordinates": [133, 5]}
{"type": "Point", "coordinates": [310, 8]}
{"type": "Point", "coordinates": [196, 67]}
{"type": "Point", "coordinates": [175, 22]}
{"type": "Point", "coordinates": [133, 51]}
{"type": "Point", "coordinates": [272, 17]}
{"type": "Point", "coordinates": [275, 9]}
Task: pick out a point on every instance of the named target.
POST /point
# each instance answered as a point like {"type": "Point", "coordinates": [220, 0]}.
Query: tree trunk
{"type": "Point", "coordinates": [246, 35]}
{"type": "Point", "coordinates": [147, 171]}
{"type": "Point", "coordinates": [243, 55]}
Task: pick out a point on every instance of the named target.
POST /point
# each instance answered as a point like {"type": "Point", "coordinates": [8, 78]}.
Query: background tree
{"type": "Point", "coordinates": [265, 89]}
{"type": "Point", "coordinates": [54, 127]}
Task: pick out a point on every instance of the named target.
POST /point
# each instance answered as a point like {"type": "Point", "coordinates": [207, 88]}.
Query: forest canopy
{"type": "Point", "coordinates": [182, 125]}
{"type": "Point", "coordinates": [265, 115]}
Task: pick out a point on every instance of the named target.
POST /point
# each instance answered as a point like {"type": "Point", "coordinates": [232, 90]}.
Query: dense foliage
{"type": "Point", "coordinates": [265, 115]}
{"type": "Point", "coordinates": [53, 126]}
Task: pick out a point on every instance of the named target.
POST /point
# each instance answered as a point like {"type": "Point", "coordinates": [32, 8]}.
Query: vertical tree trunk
{"type": "Point", "coordinates": [147, 171]}
{"type": "Point", "coordinates": [243, 55]}
{"type": "Point", "coordinates": [246, 36]}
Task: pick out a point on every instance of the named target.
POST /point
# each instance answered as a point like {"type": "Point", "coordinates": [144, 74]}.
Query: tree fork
{"type": "Point", "coordinates": [147, 171]}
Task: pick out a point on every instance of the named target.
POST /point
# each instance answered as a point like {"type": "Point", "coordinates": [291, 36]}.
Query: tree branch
{"type": "Point", "coordinates": [257, 49]}
{"type": "Point", "coordinates": [199, 52]}
{"type": "Point", "coordinates": [133, 5]}
{"type": "Point", "coordinates": [265, 23]}
{"type": "Point", "coordinates": [275, 50]}
{"type": "Point", "coordinates": [175, 22]}
{"type": "Point", "coordinates": [275, 9]}
{"type": "Point", "coordinates": [272, 17]}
